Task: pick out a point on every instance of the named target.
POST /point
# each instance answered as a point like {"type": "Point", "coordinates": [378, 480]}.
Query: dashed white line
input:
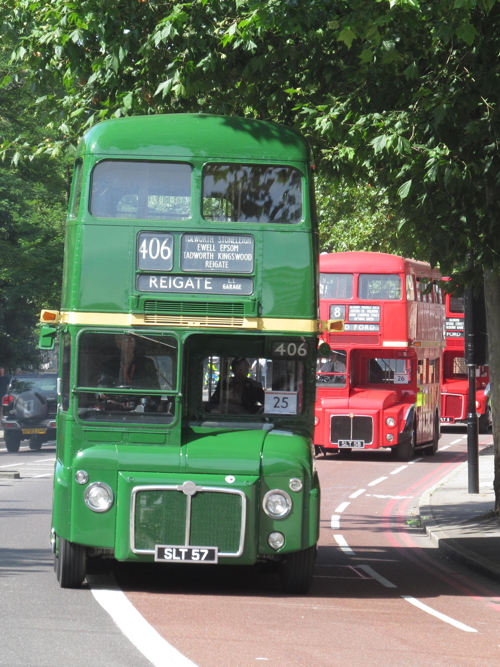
{"type": "Point", "coordinates": [438, 614]}
{"type": "Point", "coordinates": [335, 522]}
{"type": "Point", "coordinates": [455, 442]}
{"type": "Point", "coordinates": [377, 481]}
{"type": "Point", "coordinates": [44, 460]}
{"type": "Point", "coordinates": [47, 475]}
{"type": "Point", "coordinates": [378, 577]}
{"type": "Point", "coordinates": [357, 493]}
{"type": "Point", "coordinates": [415, 461]}
{"type": "Point", "coordinates": [441, 449]}
{"type": "Point", "coordinates": [342, 507]}
{"type": "Point", "coordinates": [395, 472]}
{"type": "Point", "coordinates": [133, 625]}
{"type": "Point", "coordinates": [340, 539]}
{"type": "Point", "coordinates": [375, 495]}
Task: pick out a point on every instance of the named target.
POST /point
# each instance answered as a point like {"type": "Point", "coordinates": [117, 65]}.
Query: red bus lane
{"type": "Point", "coordinates": [382, 593]}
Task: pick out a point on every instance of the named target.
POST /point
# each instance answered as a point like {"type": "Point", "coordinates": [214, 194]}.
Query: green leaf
{"type": "Point", "coordinates": [347, 36]}
{"type": "Point", "coordinates": [404, 190]}
{"type": "Point", "coordinates": [467, 32]}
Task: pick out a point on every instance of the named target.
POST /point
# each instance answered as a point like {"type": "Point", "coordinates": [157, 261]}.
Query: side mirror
{"type": "Point", "coordinates": [47, 337]}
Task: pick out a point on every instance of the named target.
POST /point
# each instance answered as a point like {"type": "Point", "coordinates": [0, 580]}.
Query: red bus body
{"type": "Point", "coordinates": [454, 383]}
{"type": "Point", "coordinates": [391, 349]}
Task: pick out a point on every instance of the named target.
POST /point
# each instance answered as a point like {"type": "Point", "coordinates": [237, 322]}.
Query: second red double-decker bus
{"type": "Point", "coordinates": [380, 386]}
{"type": "Point", "coordinates": [455, 381]}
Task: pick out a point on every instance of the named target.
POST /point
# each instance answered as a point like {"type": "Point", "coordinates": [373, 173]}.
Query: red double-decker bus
{"type": "Point", "coordinates": [455, 382]}
{"type": "Point", "coordinates": [380, 387]}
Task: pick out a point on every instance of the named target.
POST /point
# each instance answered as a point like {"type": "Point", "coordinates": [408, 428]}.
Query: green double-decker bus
{"type": "Point", "coordinates": [187, 337]}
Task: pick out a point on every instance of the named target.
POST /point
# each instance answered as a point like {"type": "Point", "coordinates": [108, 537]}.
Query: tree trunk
{"type": "Point", "coordinates": [492, 298]}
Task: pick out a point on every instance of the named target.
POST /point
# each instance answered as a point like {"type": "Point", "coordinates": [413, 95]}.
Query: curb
{"type": "Point", "coordinates": [447, 544]}
{"type": "Point", "coordinates": [9, 474]}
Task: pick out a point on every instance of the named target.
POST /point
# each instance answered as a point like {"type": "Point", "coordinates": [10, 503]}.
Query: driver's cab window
{"type": "Point", "coordinates": [332, 370]}
{"type": "Point", "coordinates": [389, 371]}
{"type": "Point", "coordinates": [252, 386]}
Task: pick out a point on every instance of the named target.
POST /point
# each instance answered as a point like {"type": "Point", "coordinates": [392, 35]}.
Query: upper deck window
{"type": "Point", "coordinates": [335, 285]}
{"type": "Point", "coordinates": [252, 193]}
{"type": "Point", "coordinates": [141, 190]}
{"type": "Point", "coordinates": [379, 287]}
{"type": "Point", "coordinates": [456, 304]}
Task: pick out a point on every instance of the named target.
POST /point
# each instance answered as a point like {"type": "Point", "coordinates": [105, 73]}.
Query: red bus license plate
{"type": "Point", "coordinates": [354, 444]}
{"type": "Point", "coordinates": [171, 554]}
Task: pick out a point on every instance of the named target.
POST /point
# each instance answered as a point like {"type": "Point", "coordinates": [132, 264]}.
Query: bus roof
{"type": "Point", "coordinates": [374, 262]}
{"type": "Point", "coordinates": [182, 135]}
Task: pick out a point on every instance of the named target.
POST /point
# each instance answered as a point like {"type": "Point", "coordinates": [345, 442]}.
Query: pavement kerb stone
{"type": "Point", "coordinates": [449, 546]}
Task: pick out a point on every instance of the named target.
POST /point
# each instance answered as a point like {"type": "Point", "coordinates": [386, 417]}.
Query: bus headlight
{"type": "Point", "coordinates": [389, 437]}
{"type": "Point", "coordinates": [81, 477]}
{"type": "Point", "coordinates": [277, 504]}
{"type": "Point", "coordinates": [98, 497]}
{"type": "Point", "coordinates": [276, 540]}
{"type": "Point", "coordinates": [390, 421]}
{"type": "Point", "coordinates": [316, 420]}
{"type": "Point", "coordinates": [295, 484]}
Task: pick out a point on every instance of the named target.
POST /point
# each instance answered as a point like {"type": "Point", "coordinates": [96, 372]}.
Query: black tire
{"type": "Point", "coordinates": [432, 450]}
{"type": "Point", "coordinates": [297, 570]}
{"type": "Point", "coordinates": [12, 441]}
{"type": "Point", "coordinates": [36, 442]}
{"type": "Point", "coordinates": [70, 564]}
{"type": "Point", "coordinates": [406, 450]}
{"type": "Point", "coordinates": [484, 421]}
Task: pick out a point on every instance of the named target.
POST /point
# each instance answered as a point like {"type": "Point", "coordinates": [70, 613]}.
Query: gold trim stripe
{"type": "Point", "coordinates": [136, 319]}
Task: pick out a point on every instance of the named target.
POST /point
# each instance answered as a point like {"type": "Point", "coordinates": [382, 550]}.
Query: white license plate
{"type": "Point", "coordinates": [354, 444]}
{"type": "Point", "coordinates": [176, 554]}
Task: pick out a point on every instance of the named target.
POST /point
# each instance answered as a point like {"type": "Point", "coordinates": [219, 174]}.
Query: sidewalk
{"type": "Point", "coordinates": [461, 523]}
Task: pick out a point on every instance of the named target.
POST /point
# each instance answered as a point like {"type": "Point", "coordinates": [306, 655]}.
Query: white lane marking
{"type": "Point", "coordinates": [335, 522]}
{"type": "Point", "coordinates": [395, 472]}
{"type": "Point", "coordinates": [357, 493]}
{"type": "Point", "coordinates": [44, 460]}
{"type": "Point", "coordinates": [342, 507]}
{"type": "Point", "coordinates": [12, 465]}
{"type": "Point", "coordinates": [375, 495]}
{"type": "Point", "coordinates": [340, 539]}
{"type": "Point", "coordinates": [437, 614]}
{"type": "Point", "coordinates": [377, 481]}
{"type": "Point", "coordinates": [133, 625]}
{"type": "Point", "coordinates": [378, 577]}
{"type": "Point", "coordinates": [47, 475]}
{"type": "Point", "coordinates": [415, 461]}
{"type": "Point", "coordinates": [455, 442]}
{"type": "Point", "coordinates": [441, 449]}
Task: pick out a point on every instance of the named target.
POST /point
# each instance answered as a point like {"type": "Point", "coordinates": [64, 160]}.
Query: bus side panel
{"type": "Point", "coordinates": [61, 500]}
{"type": "Point", "coordinates": [95, 529]}
{"type": "Point", "coordinates": [287, 275]}
{"type": "Point", "coordinates": [70, 258]}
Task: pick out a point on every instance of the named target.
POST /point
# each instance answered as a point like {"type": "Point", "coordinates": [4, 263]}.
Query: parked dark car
{"type": "Point", "coordinates": [29, 410]}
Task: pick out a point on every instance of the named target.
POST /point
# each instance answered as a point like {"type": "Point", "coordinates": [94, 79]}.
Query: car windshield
{"type": "Point", "coordinates": [42, 384]}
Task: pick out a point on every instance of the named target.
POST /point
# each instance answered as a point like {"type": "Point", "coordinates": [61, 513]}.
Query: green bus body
{"type": "Point", "coordinates": [191, 240]}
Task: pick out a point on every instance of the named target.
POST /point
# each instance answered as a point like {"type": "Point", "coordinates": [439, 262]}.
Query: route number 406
{"type": "Point", "coordinates": [286, 349]}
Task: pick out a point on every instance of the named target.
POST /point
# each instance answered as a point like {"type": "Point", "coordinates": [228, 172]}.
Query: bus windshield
{"type": "Point", "coordinates": [335, 285]}
{"type": "Point", "coordinates": [379, 286]}
{"type": "Point", "coordinates": [252, 193]}
{"type": "Point", "coordinates": [247, 386]}
{"type": "Point", "coordinates": [116, 364]}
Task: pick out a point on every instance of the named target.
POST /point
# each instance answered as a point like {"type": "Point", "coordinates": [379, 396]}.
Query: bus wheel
{"type": "Point", "coordinates": [70, 564]}
{"type": "Point", "coordinates": [36, 442]}
{"type": "Point", "coordinates": [12, 441]}
{"type": "Point", "coordinates": [406, 450]}
{"type": "Point", "coordinates": [484, 421]}
{"type": "Point", "coordinates": [432, 449]}
{"type": "Point", "coordinates": [297, 571]}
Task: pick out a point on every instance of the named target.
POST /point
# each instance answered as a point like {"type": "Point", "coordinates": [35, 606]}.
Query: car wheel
{"type": "Point", "coordinates": [12, 441]}
{"type": "Point", "coordinates": [70, 564]}
{"type": "Point", "coordinates": [297, 570]}
{"type": "Point", "coordinates": [36, 442]}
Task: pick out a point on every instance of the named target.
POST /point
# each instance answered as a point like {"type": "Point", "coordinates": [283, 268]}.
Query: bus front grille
{"type": "Point", "coordinates": [347, 427]}
{"type": "Point", "coordinates": [188, 515]}
{"type": "Point", "coordinates": [207, 308]}
{"type": "Point", "coordinates": [453, 405]}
